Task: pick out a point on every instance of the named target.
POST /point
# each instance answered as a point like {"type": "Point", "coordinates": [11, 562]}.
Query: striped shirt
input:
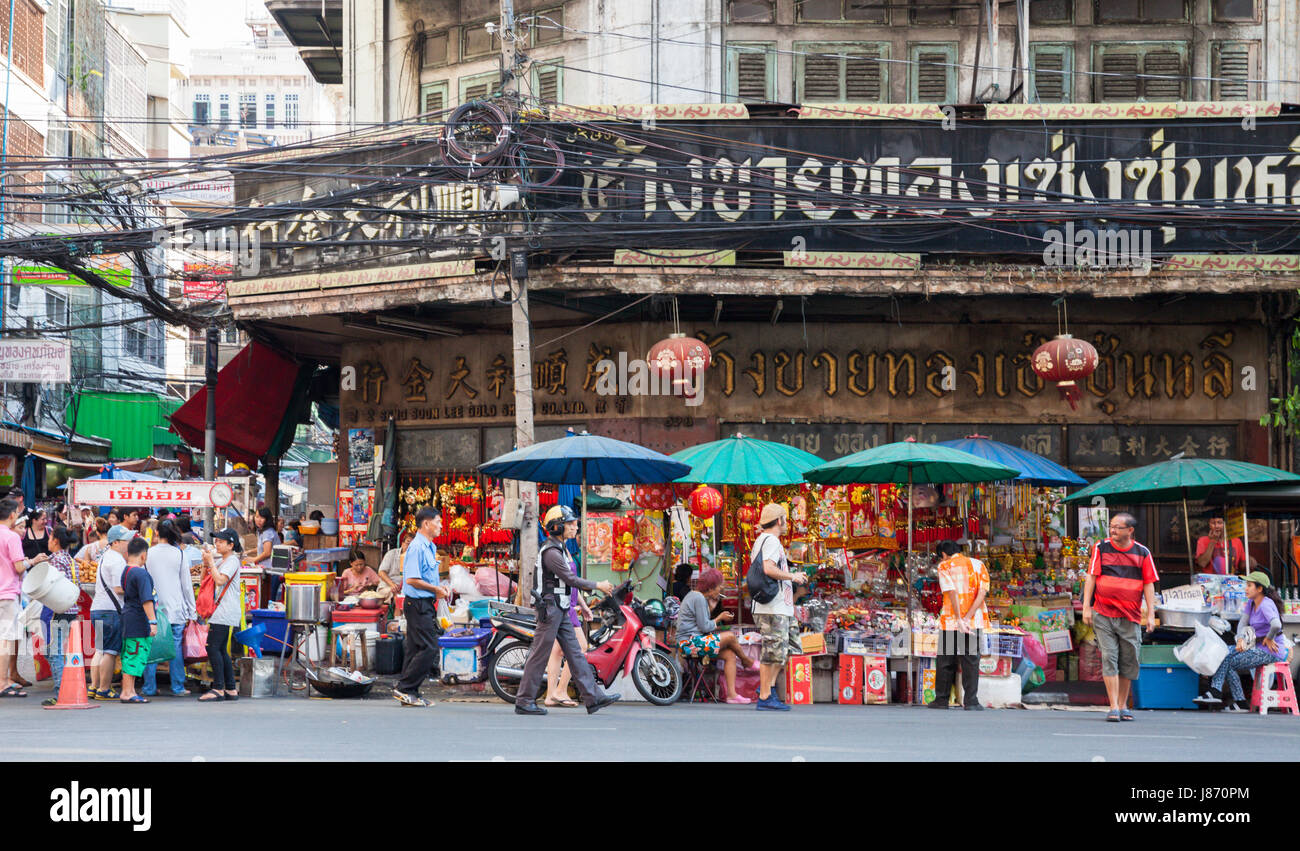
{"type": "Point", "coordinates": [1121, 576]}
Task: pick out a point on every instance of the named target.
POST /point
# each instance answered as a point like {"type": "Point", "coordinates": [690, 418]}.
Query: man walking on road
{"type": "Point", "coordinates": [964, 582]}
{"type": "Point", "coordinates": [1121, 576]}
{"type": "Point", "coordinates": [421, 589]}
{"type": "Point", "coordinates": [555, 579]}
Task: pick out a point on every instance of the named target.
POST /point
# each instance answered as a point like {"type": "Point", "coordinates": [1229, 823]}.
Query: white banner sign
{"type": "Point", "coordinates": [151, 494]}
{"type": "Point", "coordinates": [35, 361]}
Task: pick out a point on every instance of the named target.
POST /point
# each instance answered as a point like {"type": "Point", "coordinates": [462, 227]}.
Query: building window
{"type": "Point", "coordinates": [57, 310]}
{"type": "Point", "coordinates": [230, 335]}
{"type": "Point", "coordinates": [750, 12]}
{"type": "Point", "coordinates": [1132, 71]}
{"type": "Point", "coordinates": [248, 110]}
{"type": "Point", "coordinates": [478, 86]}
{"type": "Point", "coordinates": [932, 12]}
{"type": "Point", "coordinates": [270, 111]}
{"type": "Point", "coordinates": [135, 342]}
{"type": "Point", "coordinates": [223, 110]}
{"type": "Point", "coordinates": [548, 26]}
{"type": "Point", "coordinates": [832, 11]}
{"type": "Point", "coordinates": [1140, 11]}
{"type": "Point", "coordinates": [1051, 11]}
{"type": "Point", "coordinates": [841, 72]}
{"type": "Point", "coordinates": [1051, 72]}
{"type": "Point", "coordinates": [751, 72]}
{"type": "Point", "coordinates": [1234, 10]}
{"type": "Point", "coordinates": [1232, 65]}
{"type": "Point", "coordinates": [433, 101]}
{"type": "Point", "coordinates": [476, 41]}
{"type": "Point", "coordinates": [202, 109]}
{"type": "Point", "coordinates": [291, 111]}
{"type": "Point", "coordinates": [548, 81]}
{"type": "Point", "coordinates": [932, 73]}
{"type": "Point", "coordinates": [435, 48]}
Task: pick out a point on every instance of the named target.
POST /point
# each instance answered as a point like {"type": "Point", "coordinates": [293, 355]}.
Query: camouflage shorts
{"type": "Point", "coordinates": [777, 632]}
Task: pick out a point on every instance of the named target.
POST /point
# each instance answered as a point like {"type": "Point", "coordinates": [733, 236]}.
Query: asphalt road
{"type": "Point", "coordinates": [297, 728]}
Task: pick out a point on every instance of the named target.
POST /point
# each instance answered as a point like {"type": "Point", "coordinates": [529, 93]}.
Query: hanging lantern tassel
{"type": "Point", "coordinates": [1066, 361]}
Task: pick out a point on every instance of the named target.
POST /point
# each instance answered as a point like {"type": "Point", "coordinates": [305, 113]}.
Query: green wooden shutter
{"type": "Point", "coordinates": [1119, 81]}
{"type": "Point", "coordinates": [1165, 64]}
{"type": "Point", "coordinates": [1050, 72]}
{"type": "Point", "coordinates": [932, 69]}
{"type": "Point", "coordinates": [548, 83]}
{"type": "Point", "coordinates": [1232, 68]}
{"type": "Point", "coordinates": [864, 78]}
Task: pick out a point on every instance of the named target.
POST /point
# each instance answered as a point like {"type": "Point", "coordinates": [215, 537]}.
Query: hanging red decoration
{"type": "Point", "coordinates": [679, 359]}
{"type": "Point", "coordinates": [1066, 361]}
{"type": "Point", "coordinates": [705, 502]}
{"type": "Point", "coordinates": [622, 526]}
{"type": "Point", "coordinates": [683, 490]}
{"type": "Point", "coordinates": [653, 497]}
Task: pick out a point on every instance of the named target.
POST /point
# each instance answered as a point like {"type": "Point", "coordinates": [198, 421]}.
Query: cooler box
{"type": "Point", "coordinates": [462, 654]}
{"type": "Point", "coordinates": [277, 630]}
{"type": "Point", "coordinates": [320, 579]}
{"type": "Point", "coordinates": [1165, 687]}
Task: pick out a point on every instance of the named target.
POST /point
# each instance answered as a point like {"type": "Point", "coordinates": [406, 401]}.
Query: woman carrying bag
{"type": "Point", "coordinates": [222, 571]}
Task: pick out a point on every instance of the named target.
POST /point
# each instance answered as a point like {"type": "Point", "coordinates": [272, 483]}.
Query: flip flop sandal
{"type": "Point", "coordinates": [566, 703]}
{"type": "Point", "coordinates": [13, 690]}
{"type": "Point", "coordinates": [217, 698]}
{"type": "Point", "coordinates": [136, 699]}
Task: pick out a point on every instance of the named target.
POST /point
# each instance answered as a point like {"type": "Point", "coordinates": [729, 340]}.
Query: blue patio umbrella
{"type": "Point", "coordinates": [1034, 469]}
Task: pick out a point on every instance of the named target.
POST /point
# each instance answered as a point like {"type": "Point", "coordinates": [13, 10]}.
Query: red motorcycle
{"type": "Point", "coordinates": [624, 642]}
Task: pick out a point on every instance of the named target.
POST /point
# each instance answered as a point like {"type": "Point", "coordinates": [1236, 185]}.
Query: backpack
{"type": "Point", "coordinates": [762, 588]}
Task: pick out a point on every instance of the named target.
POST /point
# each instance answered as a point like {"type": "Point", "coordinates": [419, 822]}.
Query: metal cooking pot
{"type": "Point", "coordinates": [302, 603]}
{"type": "Point", "coordinates": [1183, 620]}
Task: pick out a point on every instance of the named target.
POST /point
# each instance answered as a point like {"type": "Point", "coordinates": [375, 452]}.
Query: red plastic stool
{"type": "Point", "coordinates": [1274, 697]}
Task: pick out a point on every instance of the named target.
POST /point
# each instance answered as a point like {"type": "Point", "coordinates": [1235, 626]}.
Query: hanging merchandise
{"type": "Point", "coordinates": [705, 502]}
{"type": "Point", "coordinates": [654, 497]}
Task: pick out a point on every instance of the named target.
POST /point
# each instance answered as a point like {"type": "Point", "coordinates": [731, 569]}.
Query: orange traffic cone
{"type": "Point", "coordinates": [72, 690]}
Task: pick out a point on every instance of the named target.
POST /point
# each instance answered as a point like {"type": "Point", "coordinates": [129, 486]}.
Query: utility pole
{"type": "Point", "coordinates": [517, 258]}
{"type": "Point", "coordinates": [1022, 27]}
{"type": "Point", "coordinates": [210, 423]}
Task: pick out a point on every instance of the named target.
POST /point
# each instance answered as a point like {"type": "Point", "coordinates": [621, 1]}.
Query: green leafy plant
{"type": "Point", "coordinates": [1284, 412]}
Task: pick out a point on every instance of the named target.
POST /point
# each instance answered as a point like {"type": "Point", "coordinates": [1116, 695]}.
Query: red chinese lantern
{"type": "Point", "coordinates": [653, 497]}
{"type": "Point", "coordinates": [622, 526]}
{"type": "Point", "coordinates": [1066, 361]}
{"type": "Point", "coordinates": [680, 358]}
{"type": "Point", "coordinates": [683, 490]}
{"type": "Point", "coordinates": [705, 502]}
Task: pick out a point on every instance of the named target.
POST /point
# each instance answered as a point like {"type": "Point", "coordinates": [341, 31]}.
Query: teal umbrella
{"type": "Point", "coordinates": [1178, 480]}
{"type": "Point", "coordinates": [741, 460]}
{"type": "Point", "coordinates": [908, 462]}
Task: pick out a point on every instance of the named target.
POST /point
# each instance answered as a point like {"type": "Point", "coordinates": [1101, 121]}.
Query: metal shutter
{"type": "Point", "coordinates": [932, 77]}
{"type": "Point", "coordinates": [863, 78]}
{"type": "Point", "coordinates": [1049, 87]}
{"type": "Point", "coordinates": [821, 78]}
{"type": "Point", "coordinates": [1125, 86]}
{"type": "Point", "coordinates": [751, 76]}
{"type": "Point", "coordinates": [548, 84]}
{"type": "Point", "coordinates": [1232, 66]}
{"type": "Point", "coordinates": [1167, 63]}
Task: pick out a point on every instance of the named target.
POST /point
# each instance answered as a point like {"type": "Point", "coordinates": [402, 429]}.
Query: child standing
{"type": "Point", "coordinates": [139, 618]}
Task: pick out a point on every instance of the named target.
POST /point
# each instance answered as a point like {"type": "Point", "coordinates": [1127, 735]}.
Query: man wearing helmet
{"type": "Point", "coordinates": [555, 578]}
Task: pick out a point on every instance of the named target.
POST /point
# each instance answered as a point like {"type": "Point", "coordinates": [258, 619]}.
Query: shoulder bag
{"type": "Point", "coordinates": [204, 604]}
{"type": "Point", "coordinates": [762, 588]}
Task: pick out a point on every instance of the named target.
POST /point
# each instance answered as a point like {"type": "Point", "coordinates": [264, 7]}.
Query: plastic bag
{"type": "Point", "coordinates": [444, 614]}
{"type": "Point", "coordinates": [163, 647]}
{"type": "Point", "coordinates": [1034, 651]}
{"type": "Point", "coordinates": [463, 584]}
{"type": "Point", "coordinates": [1203, 652]}
{"type": "Point", "coordinates": [194, 642]}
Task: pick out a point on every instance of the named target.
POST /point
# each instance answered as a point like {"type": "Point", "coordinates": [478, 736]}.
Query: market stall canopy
{"type": "Point", "coordinates": [1262, 502]}
{"type": "Point", "coordinates": [121, 475]}
{"type": "Point", "coordinates": [586, 458]}
{"type": "Point", "coordinates": [1034, 469]}
{"type": "Point", "coordinates": [1180, 479]}
{"type": "Point", "coordinates": [254, 392]}
{"type": "Point", "coordinates": [741, 460]}
{"type": "Point", "coordinates": [908, 461]}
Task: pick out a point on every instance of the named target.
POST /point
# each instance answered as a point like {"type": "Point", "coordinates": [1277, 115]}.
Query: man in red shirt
{"type": "Point", "coordinates": [1215, 555]}
{"type": "Point", "coordinates": [1121, 576]}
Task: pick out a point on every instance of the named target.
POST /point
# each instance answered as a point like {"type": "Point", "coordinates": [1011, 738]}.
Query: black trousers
{"type": "Point", "coordinates": [421, 647]}
{"type": "Point", "coordinates": [223, 667]}
{"type": "Point", "coordinates": [553, 625]}
{"type": "Point", "coordinates": [962, 651]}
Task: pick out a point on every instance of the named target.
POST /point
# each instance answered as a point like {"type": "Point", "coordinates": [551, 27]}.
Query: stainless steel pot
{"type": "Point", "coordinates": [302, 603]}
{"type": "Point", "coordinates": [1183, 620]}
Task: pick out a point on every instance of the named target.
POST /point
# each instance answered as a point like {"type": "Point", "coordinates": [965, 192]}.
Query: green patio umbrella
{"type": "Point", "coordinates": [741, 460]}
{"type": "Point", "coordinates": [1178, 480]}
{"type": "Point", "coordinates": [908, 462]}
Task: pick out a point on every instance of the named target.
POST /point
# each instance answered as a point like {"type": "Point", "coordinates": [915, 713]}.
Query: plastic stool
{"type": "Point", "coordinates": [698, 678]}
{"type": "Point", "coordinates": [1272, 697]}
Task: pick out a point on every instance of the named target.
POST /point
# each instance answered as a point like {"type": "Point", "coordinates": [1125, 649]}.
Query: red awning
{"type": "Point", "coordinates": [253, 393]}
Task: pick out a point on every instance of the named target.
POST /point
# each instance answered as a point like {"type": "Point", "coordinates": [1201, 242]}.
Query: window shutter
{"type": "Point", "coordinates": [821, 78]}
{"type": "Point", "coordinates": [863, 81]}
{"type": "Point", "coordinates": [751, 76]}
{"type": "Point", "coordinates": [1119, 88]}
{"type": "Point", "coordinates": [548, 84]}
{"type": "Point", "coordinates": [932, 77]}
{"type": "Point", "coordinates": [1167, 63]}
{"type": "Point", "coordinates": [435, 100]}
{"type": "Point", "coordinates": [1049, 76]}
{"type": "Point", "coordinates": [1232, 67]}
{"type": "Point", "coordinates": [478, 91]}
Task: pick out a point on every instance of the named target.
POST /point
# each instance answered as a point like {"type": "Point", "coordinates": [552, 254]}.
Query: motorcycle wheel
{"type": "Point", "coordinates": [506, 668]}
{"type": "Point", "coordinates": [657, 677]}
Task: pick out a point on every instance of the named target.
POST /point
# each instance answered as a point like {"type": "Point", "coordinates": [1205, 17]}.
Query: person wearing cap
{"type": "Point", "coordinates": [224, 568]}
{"type": "Point", "coordinates": [1260, 642]}
{"type": "Point", "coordinates": [106, 612]}
{"type": "Point", "coordinates": [555, 580]}
{"type": "Point", "coordinates": [775, 618]}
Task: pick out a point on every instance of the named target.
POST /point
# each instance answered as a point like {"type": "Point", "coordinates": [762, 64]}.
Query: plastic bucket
{"type": "Point", "coordinates": [47, 585]}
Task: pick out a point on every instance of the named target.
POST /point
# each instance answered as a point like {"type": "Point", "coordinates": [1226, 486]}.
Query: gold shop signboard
{"type": "Point", "coordinates": [826, 372]}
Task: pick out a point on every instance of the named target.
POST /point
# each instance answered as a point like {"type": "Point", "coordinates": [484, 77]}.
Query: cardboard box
{"type": "Point", "coordinates": [852, 670]}
{"type": "Point", "coordinates": [798, 681]}
{"type": "Point", "coordinates": [875, 680]}
{"type": "Point", "coordinates": [995, 666]}
{"type": "Point", "coordinates": [813, 642]}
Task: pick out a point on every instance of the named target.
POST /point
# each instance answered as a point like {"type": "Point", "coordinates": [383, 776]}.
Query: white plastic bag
{"type": "Point", "coordinates": [463, 583]}
{"type": "Point", "coordinates": [1203, 652]}
{"type": "Point", "coordinates": [443, 613]}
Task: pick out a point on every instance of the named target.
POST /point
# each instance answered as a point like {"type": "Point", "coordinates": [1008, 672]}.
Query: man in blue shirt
{"type": "Point", "coordinates": [421, 589]}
